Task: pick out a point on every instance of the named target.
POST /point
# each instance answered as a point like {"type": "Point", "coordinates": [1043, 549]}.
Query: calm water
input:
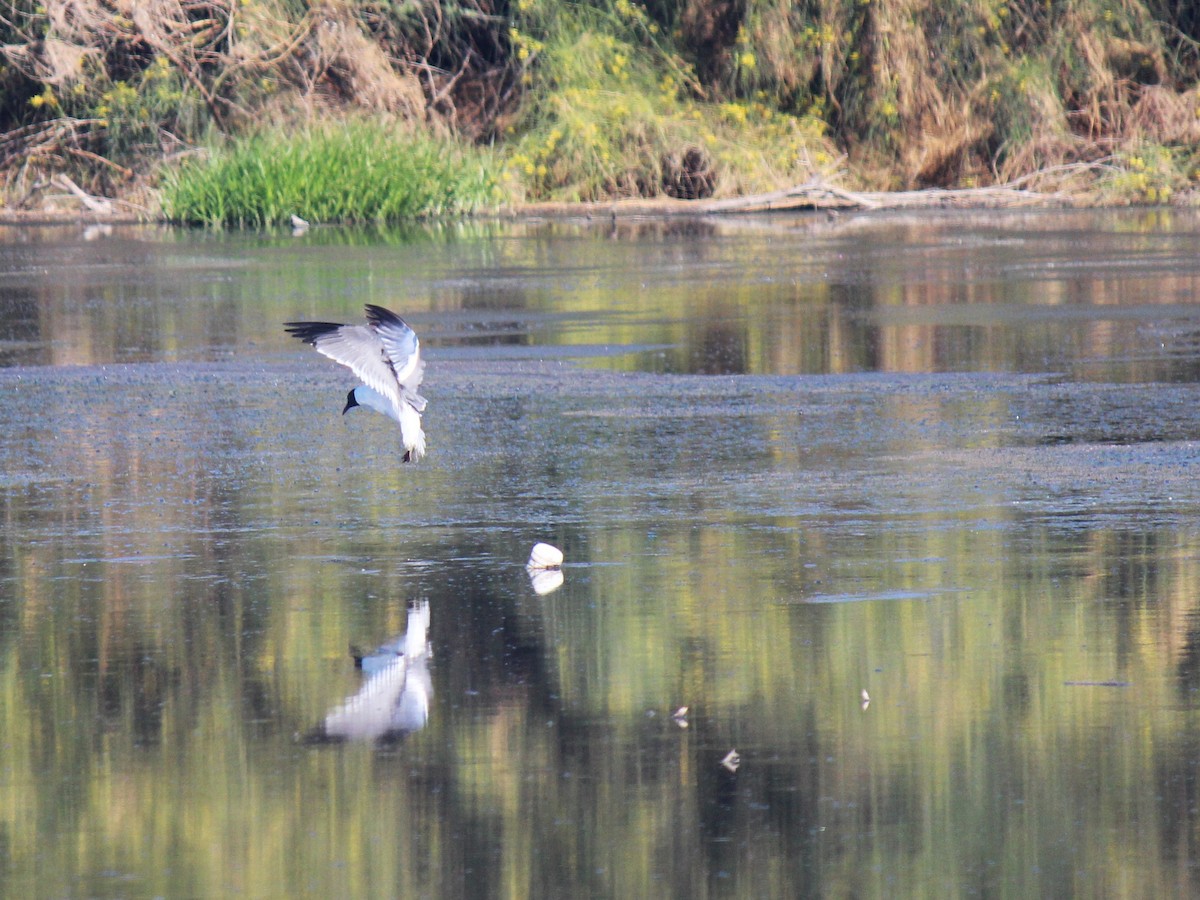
{"type": "Point", "coordinates": [948, 460]}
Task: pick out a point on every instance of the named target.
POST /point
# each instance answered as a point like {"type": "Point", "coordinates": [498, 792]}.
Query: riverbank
{"type": "Point", "coordinates": [1078, 102]}
{"type": "Point", "coordinates": [67, 209]}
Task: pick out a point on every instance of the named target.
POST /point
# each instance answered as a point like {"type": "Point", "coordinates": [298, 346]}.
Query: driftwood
{"type": "Point", "coordinates": [819, 194]}
{"type": "Point", "coordinates": [801, 197]}
{"type": "Point", "coordinates": [100, 205]}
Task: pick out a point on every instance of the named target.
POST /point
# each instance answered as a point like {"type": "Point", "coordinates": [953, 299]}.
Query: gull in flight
{"type": "Point", "coordinates": [386, 355]}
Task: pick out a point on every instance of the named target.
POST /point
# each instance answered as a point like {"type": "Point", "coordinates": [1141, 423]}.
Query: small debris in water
{"type": "Point", "coordinates": [732, 760]}
{"type": "Point", "coordinates": [680, 717]}
{"type": "Point", "coordinates": [1098, 683]}
{"type": "Point", "coordinates": [866, 699]}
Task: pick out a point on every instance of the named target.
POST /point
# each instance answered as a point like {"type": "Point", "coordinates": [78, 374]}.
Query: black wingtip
{"type": "Point", "coordinates": [310, 332]}
{"type": "Point", "coordinates": [378, 315]}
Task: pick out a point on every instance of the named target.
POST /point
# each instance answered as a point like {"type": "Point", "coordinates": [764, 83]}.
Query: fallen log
{"type": "Point", "coordinates": [813, 195]}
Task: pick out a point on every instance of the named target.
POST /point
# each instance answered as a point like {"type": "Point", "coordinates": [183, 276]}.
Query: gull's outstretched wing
{"type": "Point", "coordinates": [400, 344]}
{"type": "Point", "coordinates": [359, 348]}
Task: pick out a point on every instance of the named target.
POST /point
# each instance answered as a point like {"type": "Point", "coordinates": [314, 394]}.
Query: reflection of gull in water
{"type": "Point", "coordinates": [394, 699]}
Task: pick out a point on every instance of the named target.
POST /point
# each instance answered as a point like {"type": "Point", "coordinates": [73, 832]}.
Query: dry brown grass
{"type": "Point", "coordinates": [916, 93]}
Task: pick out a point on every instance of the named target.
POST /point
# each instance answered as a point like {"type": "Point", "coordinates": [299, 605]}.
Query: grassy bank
{"type": "Point", "coordinates": [192, 106]}
{"type": "Point", "coordinates": [363, 171]}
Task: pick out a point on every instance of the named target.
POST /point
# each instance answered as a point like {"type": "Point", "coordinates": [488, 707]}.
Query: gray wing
{"type": "Point", "coordinates": [401, 345]}
{"type": "Point", "coordinates": [359, 348]}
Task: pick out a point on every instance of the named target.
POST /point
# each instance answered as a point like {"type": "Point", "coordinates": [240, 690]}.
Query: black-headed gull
{"type": "Point", "coordinates": [386, 355]}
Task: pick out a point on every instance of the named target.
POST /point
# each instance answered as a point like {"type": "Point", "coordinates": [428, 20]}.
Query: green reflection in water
{"type": "Point", "coordinates": [1099, 297]}
{"type": "Point", "coordinates": [191, 543]}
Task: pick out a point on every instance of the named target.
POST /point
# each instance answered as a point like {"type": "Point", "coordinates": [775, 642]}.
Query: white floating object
{"type": "Point", "coordinates": [866, 699]}
{"type": "Point", "coordinates": [680, 717]}
{"type": "Point", "coordinates": [545, 580]}
{"type": "Point", "coordinates": [544, 556]}
{"type": "Point", "coordinates": [731, 761]}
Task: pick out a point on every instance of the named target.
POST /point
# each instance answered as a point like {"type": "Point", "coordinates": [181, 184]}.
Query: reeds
{"type": "Point", "coordinates": [361, 172]}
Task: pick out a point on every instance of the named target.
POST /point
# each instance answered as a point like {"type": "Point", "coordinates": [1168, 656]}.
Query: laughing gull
{"type": "Point", "coordinates": [384, 353]}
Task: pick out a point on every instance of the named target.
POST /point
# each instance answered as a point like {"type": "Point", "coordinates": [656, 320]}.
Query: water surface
{"type": "Point", "coordinates": [945, 459]}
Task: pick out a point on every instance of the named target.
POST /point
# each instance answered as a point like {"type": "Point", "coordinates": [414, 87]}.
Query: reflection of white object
{"type": "Point", "coordinates": [866, 699]}
{"type": "Point", "coordinates": [731, 761]}
{"type": "Point", "coordinates": [545, 580]}
{"type": "Point", "coordinates": [386, 354]}
{"type": "Point", "coordinates": [544, 556]}
{"type": "Point", "coordinates": [394, 699]}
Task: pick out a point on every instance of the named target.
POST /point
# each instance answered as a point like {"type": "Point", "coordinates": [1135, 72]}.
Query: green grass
{"type": "Point", "coordinates": [361, 172]}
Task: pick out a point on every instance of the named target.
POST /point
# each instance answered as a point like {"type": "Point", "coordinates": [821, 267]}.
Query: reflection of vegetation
{"type": "Point", "coordinates": [182, 594]}
{"type": "Point", "coordinates": [183, 566]}
{"type": "Point", "coordinates": [667, 297]}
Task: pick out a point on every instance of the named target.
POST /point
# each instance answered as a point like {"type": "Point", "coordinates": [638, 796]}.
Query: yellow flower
{"type": "Point", "coordinates": [45, 98]}
{"type": "Point", "coordinates": [747, 60]}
